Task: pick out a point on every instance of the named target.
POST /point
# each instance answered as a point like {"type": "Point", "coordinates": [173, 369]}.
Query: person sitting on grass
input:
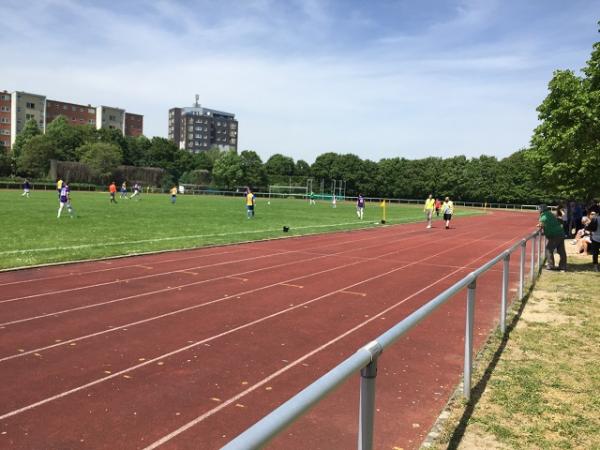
{"type": "Point", "coordinates": [583, 237]}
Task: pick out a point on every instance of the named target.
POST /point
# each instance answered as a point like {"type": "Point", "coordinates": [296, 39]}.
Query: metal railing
{"type": "Point", "coordinates": [365, 359]}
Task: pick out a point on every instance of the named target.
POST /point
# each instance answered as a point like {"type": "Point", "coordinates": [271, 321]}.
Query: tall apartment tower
{"type": "Point", "coordinates": [197, 129]}
{"type": "Point", "coordinates": [17, 108]}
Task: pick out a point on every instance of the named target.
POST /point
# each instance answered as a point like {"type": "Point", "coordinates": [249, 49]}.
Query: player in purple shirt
{"type": "Point", "coordinates": [65, 200]}
{"type": "Point", "coordinates": [360, 206]}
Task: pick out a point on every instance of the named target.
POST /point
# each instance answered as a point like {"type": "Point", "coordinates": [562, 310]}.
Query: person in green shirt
{"type": "Point", "coordinates": [555, 238]}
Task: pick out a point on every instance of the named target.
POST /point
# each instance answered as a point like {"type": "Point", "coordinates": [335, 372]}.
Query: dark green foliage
{"type": "Point", "coordinates": [280, 165]}
{"type": "Point", "coordinates": [34, 158]}
{"type": "Point", "coordinates": [29, 131]}
{"type": "Point", "coordinates": [102, 158]}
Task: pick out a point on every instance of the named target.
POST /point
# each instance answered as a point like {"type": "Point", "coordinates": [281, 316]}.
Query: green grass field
{"type": "Point", "coordinates": [31, 233]}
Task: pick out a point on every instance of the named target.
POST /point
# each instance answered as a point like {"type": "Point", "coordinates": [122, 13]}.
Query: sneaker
{"type": "Point", "coordinates": [428, 226]}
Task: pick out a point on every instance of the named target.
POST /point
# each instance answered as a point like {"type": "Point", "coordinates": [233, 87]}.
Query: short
{"type": "Point", "coordinates": [250, 207]}
{"type": "Point", "coordinates": [447, 216]}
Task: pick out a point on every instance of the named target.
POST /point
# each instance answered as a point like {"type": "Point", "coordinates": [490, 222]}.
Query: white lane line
{"type": "Point", "coordinates": [142, 277]}
{"type": "Point", "coordinates": [293, 285]}
{"type": "Point", "coordinates": [127, 266]}
{"type": "Point", "coordinates": [203, 341]}
{"type": "Point", "coordinates": [291, 365]}
{"type": "Point", "coordinates": [170, 272]}
{"type": "Point", "coordinates": [362, 294]}
{"type": "Point", "coordinates": [176, 238]}
{"type": "Point", "coordinates": [226, 297]}
{"type": "Point", "coordinates": [56, 313]}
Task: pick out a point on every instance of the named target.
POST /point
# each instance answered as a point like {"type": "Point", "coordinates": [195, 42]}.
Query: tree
{"type": "Point", "coordinates": [66, 138]}
{"type": "Point", "coordinates": [279, 164]}
{"type": "Point", "coordinates": [102, 158]}
{"type": "Point", "coordinates": [29, 131]}
{"type": "Point", "coordinates": [566, 145]}
{"type": "Point", "coordinates": [5, 163]}
{"type": "Point", "coordinates": [302, 168]}
{"type": "Point", "coordinates": [227, 171]}
{"type": "Point", "coordinates": [253, 171]}
{"type": "Point", "coordinates": [34, 159]}
{"type": "Point", "coordinates": [136, 149]}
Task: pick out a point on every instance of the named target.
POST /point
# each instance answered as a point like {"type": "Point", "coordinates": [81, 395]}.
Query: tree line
{"type": "Point", "coordinates": [562, 162]}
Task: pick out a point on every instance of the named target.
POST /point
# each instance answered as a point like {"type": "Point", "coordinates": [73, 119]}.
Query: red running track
{"type": "Point", "coordinates": [185, 350]}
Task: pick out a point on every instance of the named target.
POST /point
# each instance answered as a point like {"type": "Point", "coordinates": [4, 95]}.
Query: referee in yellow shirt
{"type": "Point", "coordinates": [249, 203]}
{"type": "Point", "coordinates": [429, 207]}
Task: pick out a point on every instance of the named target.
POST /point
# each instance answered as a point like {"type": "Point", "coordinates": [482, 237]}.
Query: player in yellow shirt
{"type": "Point", "coordinates": [428, 209]}
{"type": "Point", "coordinates": [173, 193]}
{"type": "Point", "coordinates": [250, 201]}
{"type": "Point", "coordinates": [447, 211]}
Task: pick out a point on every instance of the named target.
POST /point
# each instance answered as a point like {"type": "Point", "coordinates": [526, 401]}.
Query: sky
{"type": "Point", "coordinates": [378, 79]}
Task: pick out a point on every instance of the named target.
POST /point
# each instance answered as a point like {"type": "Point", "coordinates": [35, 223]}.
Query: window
{"type": "Point", "coordinates": [92, 111]}
{"type": "Point", "coordinates": [65, 107]}
{"type": "Point", "coordinates": [29, 116]}
{"type": "Point", "coordinates": [111, 117]}
{"type": "Point", "coordinates": [91, 121]}
{"type": "Point", "coordinates": [5, 108]}
{"type": "Point", "coordinates": [4, 97]}
{"type": "Point", "coordinates": [1, 143]}
{"type": "Point", "coordinates": [73, 108]}
{"type": "Point", "coordinates": [30, 105]}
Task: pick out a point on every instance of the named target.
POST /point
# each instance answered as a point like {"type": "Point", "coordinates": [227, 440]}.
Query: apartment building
{"type": "Point", "coordinates": [74, 113]}
{"type": "Point", "coordinates": [134, 124]}
{"type": "Point", "coordinates": [197, 129]}
{"type": "Point", "coordinates": [5, 99]}
{"type": "Point", "coordinates": [17, 108]}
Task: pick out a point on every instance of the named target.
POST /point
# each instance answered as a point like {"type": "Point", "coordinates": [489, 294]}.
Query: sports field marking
{"type": "Point", "coordinates": [238, 278]}
{"type": "Point", "coordinates": [189, 273]}
{"type": "Point", "coordinates": [175, 238]}
{"type": "Point", "coordinates": [225, 333]}
{"type": "Point", "coordinates": [145, 267]}
{"type": "Point", "coordinates": [225, 297]}
{"type": "Point", "coordinates": [127, 266]}
{"type": "Point", "coordinates": [292, 285]}
{"type": "Point", "coordinates": [179, 287]}
{"type": "Point", "coordinates": [289, 366]}
{"type": "Point", "coordinates": [362, 294]}
{"type": "Point", "coordinates": [170, 272]}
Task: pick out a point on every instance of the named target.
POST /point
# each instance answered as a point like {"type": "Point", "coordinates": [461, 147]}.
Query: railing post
{"type": "Point", "coordinates": [541, 250]}
{"type": "Point", "coordinates": [469, 340]}
{"type": "Point", "coordinates": [522, 269]}
{"type": "Point", "coordinates": [532, 262]}
{"type": "Point", "coordinates": [505, 278]}
{"type": "Point", "coordinates": [367, 406]}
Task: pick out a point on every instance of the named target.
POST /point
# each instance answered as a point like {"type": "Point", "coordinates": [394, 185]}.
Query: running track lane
{"type": "Point", "coordinates": [203, 374]}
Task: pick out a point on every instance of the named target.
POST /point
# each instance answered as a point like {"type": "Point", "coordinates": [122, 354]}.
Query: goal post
{"type": "Point", "coordinates": [287, 191]}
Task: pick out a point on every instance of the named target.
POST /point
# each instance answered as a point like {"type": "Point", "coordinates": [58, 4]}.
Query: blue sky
{"type": "Point", "coordinates": [378, 79]}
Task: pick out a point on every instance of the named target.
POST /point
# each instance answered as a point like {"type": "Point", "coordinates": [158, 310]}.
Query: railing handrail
{"type": "Point", "coordinates": [269, 426]}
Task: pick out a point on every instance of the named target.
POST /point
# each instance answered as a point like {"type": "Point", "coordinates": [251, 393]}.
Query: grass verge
{"type": "Point", "coordinates": [539, 386]}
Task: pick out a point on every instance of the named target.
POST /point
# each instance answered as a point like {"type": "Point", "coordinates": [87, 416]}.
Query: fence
{"type": "Point", "coordinates": [365, 359]}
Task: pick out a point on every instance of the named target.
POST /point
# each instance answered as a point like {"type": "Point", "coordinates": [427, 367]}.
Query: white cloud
{"type": "Point", "coordinates": [293, 85]}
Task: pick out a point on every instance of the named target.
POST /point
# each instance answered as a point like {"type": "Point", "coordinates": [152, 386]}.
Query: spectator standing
{"type": "Point", "coordinates": [594, 229]}
{"type": "Point", "coordinates": [428, 209]}
{"type": "Point", "coordinates": [555, 239]}
{"type": "Point", "coordinates": [438, 206]}
{"type": "Point", "coordinates": [447, 211]}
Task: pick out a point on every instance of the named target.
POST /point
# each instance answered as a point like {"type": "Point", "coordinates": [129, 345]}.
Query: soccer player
{"type": "Point", "coordinates": [428, 209]}
{"type": "Point", "coordinates": [136, 191]}
{"type": "Point", "coordinates": [65, 200]}
{"type": "Point", "coordinates": [112, 189]}
{"type": "Point", "coordinates": [312, 198]}
{"type": "Point", "coordinates": [59, 184]}
{"type": "Point", "coordinates": [360, 206]}
{"type": "Point", "coordinates": [555, 238]}
{"type": "Point", "coordinates": [173, 192]}
{"type": "Point", "coordinates": [124, 190]}
{"type": "Point", "coordinates": [250, 202]}
{"type": "Point", "coordinates": [26, 188]}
